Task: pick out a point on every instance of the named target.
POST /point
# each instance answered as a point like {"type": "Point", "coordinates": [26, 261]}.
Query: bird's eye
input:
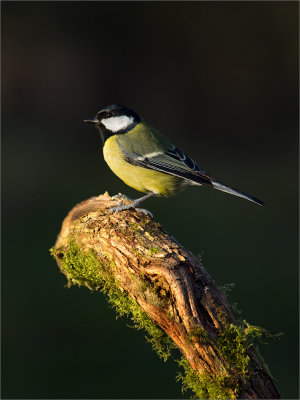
{"type": "Point", "coordinates": [109, 115]}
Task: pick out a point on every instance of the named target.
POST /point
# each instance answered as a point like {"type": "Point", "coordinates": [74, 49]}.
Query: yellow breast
{"type": "Point", "coordinates": [142, 179]}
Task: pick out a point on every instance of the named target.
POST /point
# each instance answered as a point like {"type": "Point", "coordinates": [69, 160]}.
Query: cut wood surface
{"type": "Point", "coordinates": [173, 288]}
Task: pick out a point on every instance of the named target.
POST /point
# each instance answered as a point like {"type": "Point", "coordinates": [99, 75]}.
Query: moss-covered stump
{"type": "Point", "coordinates": [150, 277]}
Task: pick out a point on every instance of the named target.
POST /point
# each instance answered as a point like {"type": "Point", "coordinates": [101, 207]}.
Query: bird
{"type": "Point", "coordinates": [146, 160]}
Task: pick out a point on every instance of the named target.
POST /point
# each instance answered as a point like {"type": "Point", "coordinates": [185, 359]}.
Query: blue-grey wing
{"type": "Point", "coordinates": [173, 162]}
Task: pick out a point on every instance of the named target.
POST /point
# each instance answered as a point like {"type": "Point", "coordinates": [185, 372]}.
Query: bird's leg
{"type": "Point", "coordinates": [134, 204]}
{"type": "Point", "coordinates": [138, 201]}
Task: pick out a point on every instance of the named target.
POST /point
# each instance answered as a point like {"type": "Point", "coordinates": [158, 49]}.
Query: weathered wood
{"type": "Point", "coordinates": [172, 287]}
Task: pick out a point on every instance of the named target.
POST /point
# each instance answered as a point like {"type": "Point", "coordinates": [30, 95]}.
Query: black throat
{"type": "Point", "coordinates": [104, 133]}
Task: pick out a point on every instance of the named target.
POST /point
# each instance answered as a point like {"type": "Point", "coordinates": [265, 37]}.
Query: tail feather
{"type": "Point", "coordinates": [227, 189]}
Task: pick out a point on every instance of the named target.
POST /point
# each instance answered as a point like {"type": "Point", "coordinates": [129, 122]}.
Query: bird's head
{"type": "Point", "coordinates": [114, 119]}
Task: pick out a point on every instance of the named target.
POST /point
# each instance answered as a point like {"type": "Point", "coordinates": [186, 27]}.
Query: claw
{"type": "Point", "coordinates": [147, 212]}
{"type": "Point", "coordinates": [122, 207]}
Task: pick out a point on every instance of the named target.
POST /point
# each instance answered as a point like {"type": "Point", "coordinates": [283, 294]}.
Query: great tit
{"type": "Point", "coordinates": [146, 160]}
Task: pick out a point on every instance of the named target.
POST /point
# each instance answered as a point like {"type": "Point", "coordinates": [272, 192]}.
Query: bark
{"type": "Point", "coordinates": [181, 297]}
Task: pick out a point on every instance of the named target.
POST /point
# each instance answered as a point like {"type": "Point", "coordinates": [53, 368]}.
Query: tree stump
{"type": "Point", "coordinates": [166, 290]}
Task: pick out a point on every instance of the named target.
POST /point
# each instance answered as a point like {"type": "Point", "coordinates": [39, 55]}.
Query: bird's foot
{"type": "Point", "coordinates": [122, 207]}
{"type": "Point", "coordinates": [147, 212]}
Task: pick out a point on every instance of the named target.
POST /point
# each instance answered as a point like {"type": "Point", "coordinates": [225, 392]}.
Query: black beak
{"type": "Point", "coordinates": [91, 121]}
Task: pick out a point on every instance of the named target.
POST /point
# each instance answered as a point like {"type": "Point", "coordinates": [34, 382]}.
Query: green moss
{"type": "Point", "coordinates": [136, 252]}
{"type": "Point", "coordinates": [153, 250]}
{"type": "Point", "coordinates": [200, 333]}
{"type": "Point", "coordinates": [236, 311]}
{"type": "Point", "coordinates": [227, 288]}
{"type": "Point", "coordinates": [124, 305]}
{"type": "Point", "coordinates": [85, 268]}
{"type": "Point", "coordinates": [135, 226]}
{"type": "Point", "coordinates": [206, 386]}
{"type": "Point", "coordinates": [235, 340]}
{"type": "Point", "coordinates": [234, 343]}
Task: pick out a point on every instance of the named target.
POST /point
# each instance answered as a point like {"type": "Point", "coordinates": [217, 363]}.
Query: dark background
{"type": "Point", "coordinates": [220, 79]}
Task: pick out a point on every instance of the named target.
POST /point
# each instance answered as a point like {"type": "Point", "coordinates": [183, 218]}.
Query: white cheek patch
{"type": "Point", "coordinates": [116, 124]}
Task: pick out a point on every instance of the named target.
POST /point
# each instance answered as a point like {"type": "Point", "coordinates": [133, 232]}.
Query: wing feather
{"type": "Point", "coordinates": [173, 162]}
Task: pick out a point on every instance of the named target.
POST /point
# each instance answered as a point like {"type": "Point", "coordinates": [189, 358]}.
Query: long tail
{"type": "Point", "coordinates": [227, 189]}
